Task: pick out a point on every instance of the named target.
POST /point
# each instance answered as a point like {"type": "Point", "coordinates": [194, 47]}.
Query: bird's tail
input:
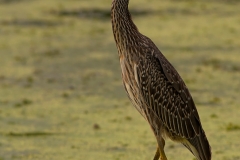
{"type": "Point", "coordinates": [199, 146]}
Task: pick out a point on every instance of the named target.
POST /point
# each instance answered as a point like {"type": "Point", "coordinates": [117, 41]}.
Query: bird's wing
{"type": "Point", "coordinates": [166, 95]}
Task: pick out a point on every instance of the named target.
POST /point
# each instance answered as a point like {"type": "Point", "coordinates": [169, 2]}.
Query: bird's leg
{"type": "Point", "coordinates": [157, 154]}
{"type": "Point", "coordinates": [161, 144]}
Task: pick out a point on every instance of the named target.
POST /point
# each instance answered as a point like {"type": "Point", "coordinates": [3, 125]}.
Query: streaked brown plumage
{"type": "Point", "coordinates": [155, 87]}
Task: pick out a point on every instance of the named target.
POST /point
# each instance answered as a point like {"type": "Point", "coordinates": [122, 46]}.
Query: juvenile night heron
{"type": "Point", "coordinates": [155, 88]}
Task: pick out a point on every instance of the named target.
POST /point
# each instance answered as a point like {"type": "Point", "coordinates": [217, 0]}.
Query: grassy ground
{"type": "Point", "coordinates": [61, 95]}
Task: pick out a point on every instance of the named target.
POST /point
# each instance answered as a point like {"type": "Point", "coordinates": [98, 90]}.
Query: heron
{"type": "Point", "coordinates": [155, 88]}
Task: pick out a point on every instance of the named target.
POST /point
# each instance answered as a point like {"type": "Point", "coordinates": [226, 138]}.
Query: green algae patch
{"type": "Point", "coordinates": [28, 134]}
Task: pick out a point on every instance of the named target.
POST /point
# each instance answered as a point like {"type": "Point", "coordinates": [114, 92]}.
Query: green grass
{"type": "Point", "coordinates": [61, 94]}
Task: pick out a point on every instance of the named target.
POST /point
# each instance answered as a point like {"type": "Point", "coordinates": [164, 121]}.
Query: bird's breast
{"type": "Point", "coordinates": [131, 83]}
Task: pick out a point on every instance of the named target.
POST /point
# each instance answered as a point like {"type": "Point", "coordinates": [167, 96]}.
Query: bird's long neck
{"type": "Point", "coordinates": [124, 30]}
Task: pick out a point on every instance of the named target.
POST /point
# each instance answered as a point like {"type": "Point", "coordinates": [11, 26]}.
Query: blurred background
{"type": "Point", "coordinates": [61, 93]}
